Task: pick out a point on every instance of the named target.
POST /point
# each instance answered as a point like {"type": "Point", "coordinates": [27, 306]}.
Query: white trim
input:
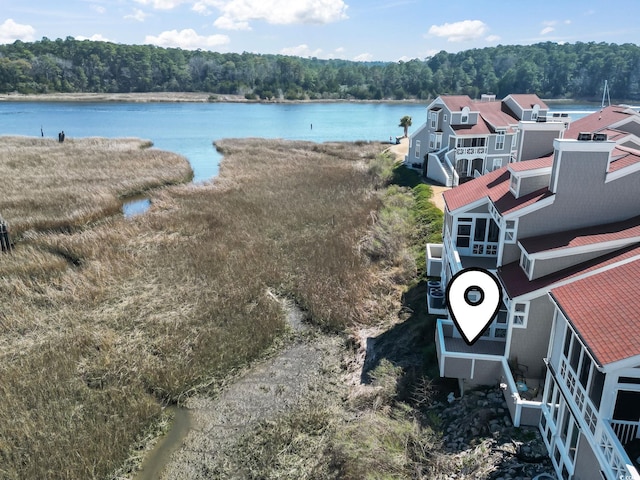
{"type": "Point", "coordinates": [545, 202]}
{"type": "Point", "coordinates": [623, 172]}
{"type": "Point", "coordinates": [547, 289]}
{"type": "Point", "coordinates": [570, 251]}
{"type": "Point", "coordinates": [534, 172]}
{"type": "Point", "coordinates": [524, 314]}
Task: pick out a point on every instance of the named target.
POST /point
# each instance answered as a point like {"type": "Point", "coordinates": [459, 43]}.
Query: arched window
{"type": "Point", "coordinates": [464, 118]}
{"type": "Point", "coordinates": [534, 114]}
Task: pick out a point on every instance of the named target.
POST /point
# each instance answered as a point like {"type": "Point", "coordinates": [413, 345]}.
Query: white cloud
{"type": "Point", "coordinates": [460, 31]}
{"type": "Point", "coordinates": [137, 14]}
{"type": "Point", "coordinates": [187, 39]}
{"type": "Point", "coordinates": [363, 57]}
{"type": "Point", "coordinates": [10, 31]}
{"type": "Point", "coordinates": [279, 12]}
{"type": "Point", "coordinates": [99, 9]}
{"type": "Point", "coordinates": [493, 38]}
{"type": "Point", "coordinates": [162, 4]}
{"type": "Point", "coordinates": [546, 30]}
{"type": "Point", "coordinates": [96, 37]}
{"type": "Point", "coordinates": [302, 50]}
{"type": "Point", "coordinates": [224, 23]}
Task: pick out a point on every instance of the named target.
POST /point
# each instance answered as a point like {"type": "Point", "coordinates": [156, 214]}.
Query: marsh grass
{"type": "Point", "coordinates": [102, 325]}
{"type": "Point", "coordinates": [48, 185]}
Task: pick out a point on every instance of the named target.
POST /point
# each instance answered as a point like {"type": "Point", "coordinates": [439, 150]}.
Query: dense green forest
{"type": "Point", "coordinates": [548, 69]}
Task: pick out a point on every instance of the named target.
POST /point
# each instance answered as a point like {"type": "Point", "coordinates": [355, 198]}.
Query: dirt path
{"type": "Point", "coordinates": [268, 389]}
{"type": "Point", "coordinates": [400, 150]}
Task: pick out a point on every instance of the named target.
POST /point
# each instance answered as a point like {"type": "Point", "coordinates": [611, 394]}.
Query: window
{"type": "Point", "coordinates": [466, 142]}
{"type": "Point", "coordinates": [534, 113]}
{"type": "Point", "coordinates": [527, 264]}
{"type": "Point", "coordinates": [500, 140]}
{"type": "Point", "coordinates": [432, 140]}
{"type": "Point", "coordinates": [510, 227]}
{"type": "Point", "coordinates": [585, 368]}
{"type": "Point", "coordinates": [597, 384]}
{"type": "Point", "coordinates": [576, 353]}
{"type": "Point", "coordinates": [464, 235]}
{"type": "Point", "coordinates": [520, 312]}
{"type": "Point", "coordinates": [567, 341]}
{"type": "Point", "coordinates": [514, 185]}
{"type": "Point", "coordinates": [497, 163]}
{"type": "Point", "coordinates": [434, 119]}
{"type": "Point", "coordinates": [438, 141]}
{"type": "Point", "coordinates": [417, 149]}
{"type": "Point", "coordinates": [464, 118]}
{"type": "Point", "coordinates": [445, 117]}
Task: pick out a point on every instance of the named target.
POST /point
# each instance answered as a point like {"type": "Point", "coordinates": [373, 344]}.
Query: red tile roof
{"type": "Point", "coordinates": [604, 309]}
{"type": "Point", "coordinates": [622, 156]}
{"type": "Point", "coordinates": [496, 182]}
{"type": "Point", "coordinates": [600, 120]}
{"type": "Point", "coordinates": [516, 282]}
{"type": "Point", "coordinates": [455, 103]}
{"type": "Point", "coordinates": [528, 100]}
{"type": "Point", "coordinates": [627, 229]}
{"type": "Point", "coordinates": [534, 164]}
{"type": "Point", "coordinates": [495, 186]}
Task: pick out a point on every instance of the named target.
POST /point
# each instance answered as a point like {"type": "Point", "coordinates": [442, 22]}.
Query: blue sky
{"type": "Point", "coordinates": [387, 30]}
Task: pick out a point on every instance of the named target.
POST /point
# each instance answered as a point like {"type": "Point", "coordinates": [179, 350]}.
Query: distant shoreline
{"type": "Point", "coordinates": [171, 97]}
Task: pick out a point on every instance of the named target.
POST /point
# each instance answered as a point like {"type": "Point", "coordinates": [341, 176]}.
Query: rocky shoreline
{"type": "Point", "coordinates": [478, 424]}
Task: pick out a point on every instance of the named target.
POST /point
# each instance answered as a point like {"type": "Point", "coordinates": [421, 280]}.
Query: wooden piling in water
{"type": "Point", "coordinates": [5, 241]}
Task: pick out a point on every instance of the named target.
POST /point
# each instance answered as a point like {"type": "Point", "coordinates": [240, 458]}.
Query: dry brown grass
{"type": "Point", "coordinates": [100, 326]}
{"type": "Point", "coordinates": [50, 185]}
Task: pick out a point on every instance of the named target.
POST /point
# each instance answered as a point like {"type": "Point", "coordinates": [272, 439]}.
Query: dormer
{"type": "Point", "coordinates": [528, 177]}
{"type": "Point", "coordinates": [527, 107]}
{"type": "Point", "coordinates": [464, 117]}
{"type": "Point", "coordinates": [547, 254]}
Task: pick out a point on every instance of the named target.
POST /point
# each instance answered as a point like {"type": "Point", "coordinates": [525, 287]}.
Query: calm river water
{"type": "Point", "coordinates": [190, 128]}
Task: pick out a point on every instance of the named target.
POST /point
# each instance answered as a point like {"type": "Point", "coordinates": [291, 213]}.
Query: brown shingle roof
{"type": "Point", "coordinates": [627, 229]}
{"type": "Point", "coordinates": [516, 282]}
{"type": "Point", "coordinates": [604, 309]}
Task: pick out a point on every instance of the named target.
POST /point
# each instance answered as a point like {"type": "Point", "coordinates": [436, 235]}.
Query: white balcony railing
{"type": "Point", "coordinates": [625, 430]}
{"type": "Point", "coordinates": [616, 458]}
{"type": "Point", "coordinates": [471, 151]}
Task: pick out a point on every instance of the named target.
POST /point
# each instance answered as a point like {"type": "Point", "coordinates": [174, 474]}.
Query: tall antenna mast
{"type": "Point", "coordinates": [605, 92]}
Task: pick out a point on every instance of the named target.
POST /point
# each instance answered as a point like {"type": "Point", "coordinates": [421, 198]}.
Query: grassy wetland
{"type": "Point", "coordinates": [104, 320]}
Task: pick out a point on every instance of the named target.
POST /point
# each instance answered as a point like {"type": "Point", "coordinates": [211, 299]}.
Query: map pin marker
{"type": "Point", "coordinates": [473, 297]}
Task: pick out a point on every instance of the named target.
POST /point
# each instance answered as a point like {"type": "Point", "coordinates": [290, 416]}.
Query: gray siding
{"type": "Point", "coordinates": [514, 107]}
{"type": "Point", "coordinates": [587, 465]}
{"type": "Point", "coordinates": [631, 127]}
{"type": "Point", "coordinates": [536, 143]}
{"type": "Point", "coordinates": [531, 184]}
{"type": "Point", "coordinates": [422, 135]}
{"type": "Point", "coordinates": [529, 345]}
{"type": "Point", "coordinates": [510, 253]}
{"type": "Point", "coordinates": [582, 198]}
{"type": "Point", "coordinates": [551, 265]}
{"type": "Point", "coordinates": [481, 209]}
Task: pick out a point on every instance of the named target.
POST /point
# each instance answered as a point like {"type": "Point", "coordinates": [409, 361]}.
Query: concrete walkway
{"type": "Point", "coordinates": [400, 151]}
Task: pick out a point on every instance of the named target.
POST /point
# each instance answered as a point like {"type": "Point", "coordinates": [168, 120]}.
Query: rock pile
{"type": "Point", "coordinates": [479, 425]}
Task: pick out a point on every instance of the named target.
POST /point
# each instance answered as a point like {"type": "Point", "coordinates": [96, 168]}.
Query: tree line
{"type": "Point", "coordinates": [550, 70]}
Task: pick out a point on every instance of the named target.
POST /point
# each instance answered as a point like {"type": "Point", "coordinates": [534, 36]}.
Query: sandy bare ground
{"type": "Point", "coordinates": [400, 150]}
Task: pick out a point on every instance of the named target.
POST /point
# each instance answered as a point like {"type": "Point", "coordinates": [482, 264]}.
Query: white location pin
{"type": "Point", "coordinates": [473, 298]}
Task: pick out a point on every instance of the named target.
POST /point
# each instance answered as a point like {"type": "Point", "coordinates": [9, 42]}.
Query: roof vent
{"type": "Point", "coordinates": [488, 97]}
{"type": "Point", "coordinates": [584, 136]}
{"type": "Point", "coordinates": [599, 137]}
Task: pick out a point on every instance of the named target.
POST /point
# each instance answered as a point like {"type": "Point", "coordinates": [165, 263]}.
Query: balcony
{"type": "Point", "coordinates": [484, 363]}
{"type": "Point", "coordinates": [478, 363]}
{"type": "Point", "coordinates": [488, 263]}
{"type": "Point", "coordinates": [471, 152]}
